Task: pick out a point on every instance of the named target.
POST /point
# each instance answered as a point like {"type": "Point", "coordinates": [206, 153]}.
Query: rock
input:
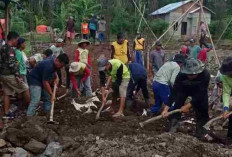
{"type": "Point", "coordinates": [52, 136]}
{"type": "Point", "coordinates": [20, 152]}
{"type": "Point", "coordinates": [36, 133]}
{"type": "Point", "coordinates": [2, 143]}
{"type": "Point", "coordinates": [67, 142]}
{"type": "Point", "coordinates": [7, 150]}
{"type": "Point", "coordinates": [157, 155]}
{"type": "Point", "coordinates": [17, 137]}
{"type": "Point", "coordinates": [6, 155]}
{"type": "Point", "coordinates": [35, 146]}
{"type": "Point", "coordinates": [54, 149]}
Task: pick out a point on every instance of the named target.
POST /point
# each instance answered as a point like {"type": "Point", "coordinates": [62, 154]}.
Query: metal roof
{"type": "Point", "coordinates": [170, 7]}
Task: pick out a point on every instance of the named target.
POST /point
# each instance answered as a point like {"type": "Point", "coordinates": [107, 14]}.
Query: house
{"type": "Point", "coordinates": [188, 26]}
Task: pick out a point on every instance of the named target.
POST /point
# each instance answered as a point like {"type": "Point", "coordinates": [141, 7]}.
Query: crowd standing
{"type": "Point", "coordinates": [124, 74]}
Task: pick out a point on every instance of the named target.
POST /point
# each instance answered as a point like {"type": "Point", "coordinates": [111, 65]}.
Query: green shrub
{"type": "Point", "coordinates": [158, 26]}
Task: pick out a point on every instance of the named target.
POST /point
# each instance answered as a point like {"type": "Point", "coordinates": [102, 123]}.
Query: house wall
{"type": "Point", "coordinates": [191, 19]}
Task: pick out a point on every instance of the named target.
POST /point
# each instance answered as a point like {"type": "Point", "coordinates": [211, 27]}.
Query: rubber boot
{"type": "Point", "coordinates": [147, 101]}
{"type": "Point", "coordinates": [200, 130]}
{"type": "Point", "coordinates": [174, 125]}
{"type": "Point", "coordinates": [229, 133]}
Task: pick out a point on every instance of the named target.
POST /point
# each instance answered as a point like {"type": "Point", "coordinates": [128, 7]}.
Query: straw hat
{"type": "Point", "coordinates": [83, 41]}
{"type": "Point", "coordinates": [74, 67]}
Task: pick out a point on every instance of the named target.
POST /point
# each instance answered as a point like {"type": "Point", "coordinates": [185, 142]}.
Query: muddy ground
{"type": "Point", "coordinates": [81, 135]}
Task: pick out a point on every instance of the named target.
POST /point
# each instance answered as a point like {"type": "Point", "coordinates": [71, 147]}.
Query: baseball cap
{"type": "Point", "coordinates": [59, 40]}
{"type": "Point", "coordinates": [102, 62]}
{"type": "Point", "coordinates": [192, 40]}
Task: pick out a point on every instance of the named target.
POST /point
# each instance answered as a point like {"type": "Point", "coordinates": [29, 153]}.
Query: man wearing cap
{"type": "Point", "coordinates": [226, 78]}
{"type": "Point", "coordinates": [164, 79]}
{"type": "Point", "coordinates": [57, 50]}
{"type": "Point", "coordinates": [80, 78]}
{"type": "Point", "coordinates": [82, 53]}
{"type": "Point", "coordinates": [193, 80]}
{"type": "Point", "coordinates": [138, 48]}
{"type": "Point", "coordinates": [138, 81]}
{"type": "Point", "coordinates": [194, 49]}
{"type": "Point", "coordinates": [120, 76]}
{"type": "Point", "coordinates": [157, 59]}
{"type": "Point", "coordinates": [40, 79]}
{"type": "Point", "coordinates": [70, 29]}
{"type": "Point", "coordinates": [202, 56]}
{"type": "Point", "coordinates": [120, 49]}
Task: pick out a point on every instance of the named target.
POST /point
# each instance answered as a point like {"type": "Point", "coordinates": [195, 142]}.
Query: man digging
{"type": "Point", "coordinates": [193, 80]}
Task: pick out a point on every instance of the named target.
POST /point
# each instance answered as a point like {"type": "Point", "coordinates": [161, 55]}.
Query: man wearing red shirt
{"type": "Point", "coordinates": [203, 54]}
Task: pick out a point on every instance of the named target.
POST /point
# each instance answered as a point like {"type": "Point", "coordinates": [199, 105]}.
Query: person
{"type": "Point", "coordinates": [138, 79]}
{"type": "Point", "coordinates": [85, 29]}
{"type": "Point", "coordinates": [138, 48]}
{"type": "Point", "coordinates": [193, 81]}
{"type": "Point", "coordinates": [57, 50]}
{"type": "Point", "coordinates": [80, 78]}
{"type": "Point", "coordinates": [194, 49]}
{"type": "Point", "coordinates": [47, 54]}
{"type": "Point", "coordinates": [120, 49]}
{"type": "Point", "coordinates": [202, 56]}
{"type": "Point", "coordinates": [164, 80]}
{"type": "Point", "coordinates": [157, 59]}
{"type": "Point", "coordinates": [226, 78]}
{"type": "Point", "coordinates": [19, 56]}
{"type": "Point", "coordinates": [10, 74]}
{"type": "Point", "coordinates": [70, 29]}
{"type": "Point", "coordinates": [203, 32]}
{"type": "Point", "coordinates": [40, 79]}
{"type": "Point", "coordinates": [82, 53]}
{"type": "Point", "coordinates": [93, 23]}
{"type": "Point", "coordinates": [34, 60]}
{"type": "Point", "coordinates": [120, 76]}
{"type": "Point", "coordinates": [184, 51]}
{"type": "Point", "coordinates": [3, 41]}
{"type": "Point", "coordinates": [102, 29]}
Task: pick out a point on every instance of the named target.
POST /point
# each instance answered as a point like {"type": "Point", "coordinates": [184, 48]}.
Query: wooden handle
{"type": "Point", "coordinates": [103, 104]}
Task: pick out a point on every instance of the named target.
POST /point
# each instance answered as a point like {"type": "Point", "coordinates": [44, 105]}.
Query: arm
{"type": "Point", "coordinates": [74, 82]}
{"type": "Point", "coordinates": [47, 87]}
{"type": "Point", "coordinates": [226, 95]}
{"type": "Point", "coordinates": [143, 45]}
{"type": "Point", "coordinates": [102, 83]}
{"type": "Point", "coordinates": [128, 52]}
{"type": "Point", "coordinates": [86, 74]}
{"type": "Point", "coordinates": [134, 46]}
{"type": "Point", "coordinates": [174, 74]}
{"type": "Point", "coordinates": [112, 51]}
{"type": "Point", "coordinates": [119, 75]}
{"type": "Point", "coordinates": [89, 60]}
{"type": "Point", "coordinates": [108, 82]}
{"type": "Point", "coordinates": [77, 56]}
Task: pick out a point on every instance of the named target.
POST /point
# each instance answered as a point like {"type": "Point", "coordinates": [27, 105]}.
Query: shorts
{"type": "Point", "coordinates": [11, 85]}
{"type": "Point", "coordinates": [122, 91]}
{"type": "Point", "coordinates": [70, 35]}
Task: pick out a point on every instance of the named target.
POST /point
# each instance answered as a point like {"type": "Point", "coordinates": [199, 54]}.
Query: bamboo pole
{"type": "Point", "coordinates": [211, 40]}
{"type": "Point", "coordinates": [175, 22]}
{"type": "Point", "coordinates": [199, 21]}
{"type": "Point", "coordinates": [144, 19]}
{"type": "Point", "coordinates": [223, 32]}
{"type": "Point", "coordinates": [140, 22]}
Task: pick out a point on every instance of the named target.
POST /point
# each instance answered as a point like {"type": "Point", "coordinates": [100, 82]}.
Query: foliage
{"type": "Point", "coordinates": [158, 26]}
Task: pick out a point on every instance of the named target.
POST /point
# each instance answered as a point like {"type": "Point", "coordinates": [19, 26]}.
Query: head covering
{"type": "Point", "coordinates": [184, 50]}
{"type": "Point", "coordinates": [20, 42]}
{"type": "Point", "coordinates": [158, 43]}
{"type": "Point", "coordinates": [226, 68]}
{"type": "Point", "coordinates": [74, 67]}
{"type": "Point", "coordinates": [38, 57]}
{"type": "Point", "coordinates": [192, 66]}
{"type": "Point", "coordinates": [71, 17]}
{"type": "Point", "coordinates": [191, 40]}
{"type": "Point", "coordinates": [83, 41]}
{"type": "Point", "coordinates": [179, 58]}
{"type": "Point", "coordinates": [102, 62]}
{"type": "Point", "coordinates": [59, 40]}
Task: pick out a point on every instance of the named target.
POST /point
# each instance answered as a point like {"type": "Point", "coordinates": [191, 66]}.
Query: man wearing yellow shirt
{"type": "Point", "coordinates": [120, 49]}
{"type": "Point", "coordinates": [138, 49]}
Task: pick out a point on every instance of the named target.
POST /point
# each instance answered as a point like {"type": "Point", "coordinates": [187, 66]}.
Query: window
{"type": "Point", "coordinates": [175, 27]}
{"type": "Point", "coordinates": [184, 28]}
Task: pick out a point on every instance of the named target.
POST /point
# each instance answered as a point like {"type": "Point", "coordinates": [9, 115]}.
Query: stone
{"type": "Point", "coordinates": [35, 147]}
{"type": "Point", "coordinates": [20, 152]}
{"type": "Point", "coordinates": [54, 149]}
{"type": "Point", "coordinates": [6, 155]}
{"type": "Point", "coordinates": [67, 142]}
{"type": "Point", "coordinates": [17, 137]}
{"type": "Point", "coordinates": [36, 133]}
{"type": "Point", "coordinates": [2, 143]}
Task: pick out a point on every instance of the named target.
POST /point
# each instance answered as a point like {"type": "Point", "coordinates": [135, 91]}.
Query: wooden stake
{"type": "Point", "coordinates": [211, 40]}
{"type": "Point", "coordinates": [199, 21]}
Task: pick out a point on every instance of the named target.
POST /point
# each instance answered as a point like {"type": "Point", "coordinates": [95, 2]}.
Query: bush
{"type": "Point", "coordinates": [158, 26]}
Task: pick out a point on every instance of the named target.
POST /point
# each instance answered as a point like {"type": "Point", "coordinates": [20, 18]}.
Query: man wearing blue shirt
{"type": "Point", "coordinates": [39, 82]}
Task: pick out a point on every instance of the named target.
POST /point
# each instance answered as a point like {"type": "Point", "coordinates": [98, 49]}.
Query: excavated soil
{"type": "Point", "coordinates": [81, 135]}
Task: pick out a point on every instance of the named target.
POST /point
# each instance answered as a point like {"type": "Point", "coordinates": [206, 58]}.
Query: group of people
{"type": "Point", "coordinates": [123, 74]}
{"type": "Point", "coordinates": [90, 29]}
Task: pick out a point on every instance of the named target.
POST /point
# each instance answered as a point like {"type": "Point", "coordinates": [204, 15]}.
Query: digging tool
{"type": "Point", "coordinates": [207, 125]}
{"type": "Point", "coordinates": [142, 124]}
{"type": "Point", "coordinates": [103, 104]}
{"type": "Point", "coordinates": [51, 121]}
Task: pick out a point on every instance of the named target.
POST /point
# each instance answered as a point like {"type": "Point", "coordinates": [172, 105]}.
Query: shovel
{"type": "Point", "coordinates": [51, 121]}
{"type": "Point", "coordinates": [103, 104]}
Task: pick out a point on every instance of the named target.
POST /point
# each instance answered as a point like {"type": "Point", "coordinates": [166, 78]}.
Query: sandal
{"type": "Point", "coordinates": [118, 115]}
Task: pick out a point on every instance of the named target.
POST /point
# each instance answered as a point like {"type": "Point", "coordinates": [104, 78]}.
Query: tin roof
{"type": "Point", "coordinates": [170, 7]}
